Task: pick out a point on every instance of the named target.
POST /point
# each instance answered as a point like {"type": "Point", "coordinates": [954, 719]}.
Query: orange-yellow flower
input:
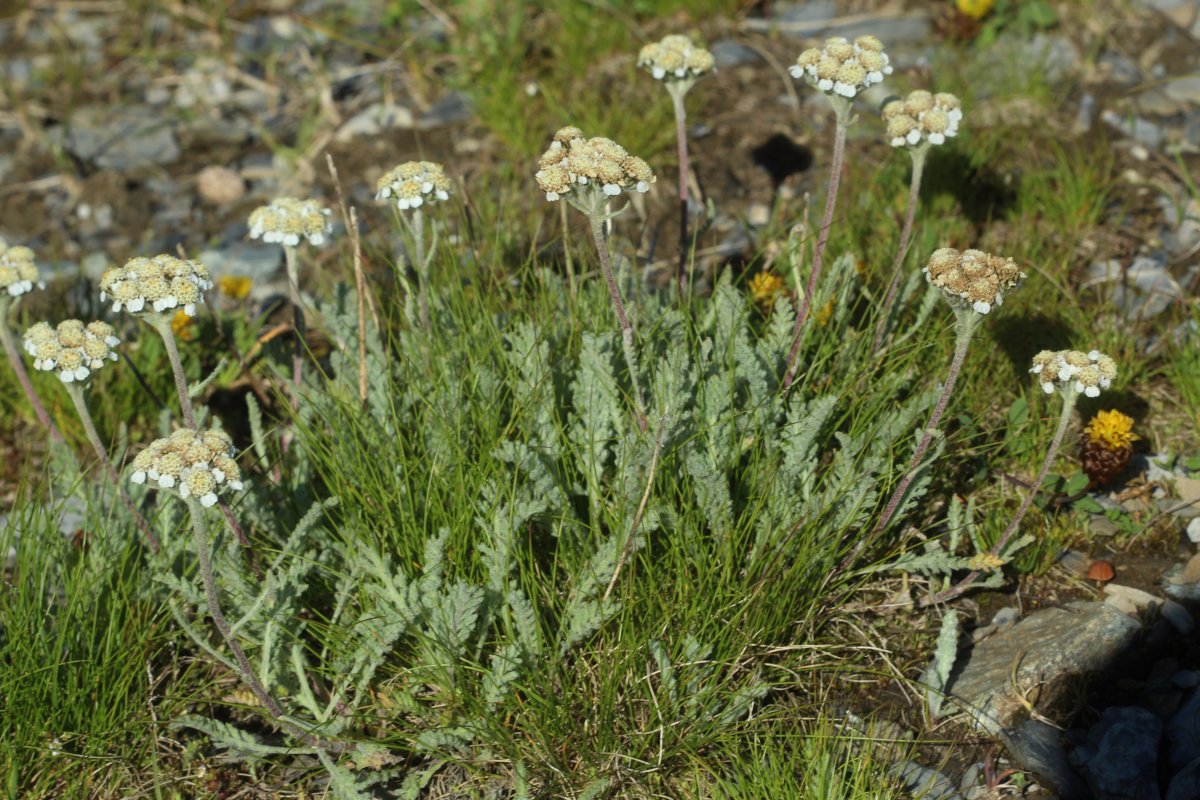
{"type": "Point", "coordinates": [765, 287]}
{"type": "Point", "coordinates": [235, 286]}
{"type": "Point", "coordinates": [181, 326]}
{"type": "Point", "coordinates": [975, 9]}
{"type": "Point", "coordinates": [1112, 429]}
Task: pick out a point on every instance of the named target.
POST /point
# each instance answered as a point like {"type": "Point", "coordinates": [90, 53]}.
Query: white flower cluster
{"type": "Point", "coordinates": [18, 273]}
{"type": "Point", "coordinates": [195, 464]}
{"type": "Point", "coordinates": [573, 161]}
{"type": "Point", "coordinates": [73, 350]}
{"type": "Point", "coordinates": [675, 57]}
{"type": "Point", "coordinates": [154, 285]}
{"type": "Point", "coordinates": [922, 117]}
{"type": "Point", "coordinates": [972, 277]}
{"type": "Point", "coordinates": [843, 68]}
{"type": "Point", "coordinates": [287, 220]}
{"type": "Point", "coordinates": [1084, 372]}
{"type": "Point", "coordinates": [413, 184]}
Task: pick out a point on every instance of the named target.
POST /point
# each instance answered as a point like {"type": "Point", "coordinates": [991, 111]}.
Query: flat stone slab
{"type": "Point", "coordinates": [1005, 676]}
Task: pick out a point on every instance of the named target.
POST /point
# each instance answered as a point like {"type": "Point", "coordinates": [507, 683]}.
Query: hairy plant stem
{"type": "Point", "coordinates": [678, 90]}
{"type": "Point", "coordinates": [914, 197]}
{"type": "Point", "coordinates": [247, 671]}
{"type": "Point", "coordinates": [627, 345]}
{"type": "Point", "coordinates": [298, 324]}
{"type": "Point", "coordinates": [75, 392]}
{"type": "Point", "coordinates": [566, 237]}
{"type": "Point", "coordinates": [162, 324]}
{"type": "Point", "coordinates": [421, 266]}
{"type": "Point", "coordinates": [964, 326]}
{"type": "Point", "coordinates": [14, 358]}
{"type": "Point", "coordinates": [841, 107]}
{"type": "Point", "coordinates": [1068, 405]}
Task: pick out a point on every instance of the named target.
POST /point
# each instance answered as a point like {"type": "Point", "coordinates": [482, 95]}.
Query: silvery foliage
{"type": "Point", "coordinates": [788, 470]}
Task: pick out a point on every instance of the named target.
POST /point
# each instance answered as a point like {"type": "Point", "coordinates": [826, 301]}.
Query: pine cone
{"type": "Point", "coordinates": [1102, 464]}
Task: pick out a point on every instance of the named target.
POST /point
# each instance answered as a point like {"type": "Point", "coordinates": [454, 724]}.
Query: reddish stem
{"type": "Point", "coordinates": [681, 138]}
{"type": "Point", "coordinates": [18, 366]}
{"type": "Point", "coordinates": [839, 150]}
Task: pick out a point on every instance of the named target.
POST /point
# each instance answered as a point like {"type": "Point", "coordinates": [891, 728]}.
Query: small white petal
{"type": "Point", "coordinates": [138, 477]}
{"type": "Point", "coordinates": [1092, 391]}
{"type": "Point", "coordinates": [209, 500]}
{"type": "Point", "coordinates": [136, 304]}
{"type": "Point", "coordinates": [1048, 388]}
{"type": "Point", "coordinates": [913, 136]}
{"type": "Point", "coordinates": [81, 373]}
{"type": "Point", "coordinates": [658, 72]}
{"type": "Point", "coordinates": [317, 239]}
{"type": "Point", "coordinates": [442, 194]}
{"type": "Point", "coordinates": [66, 376]}
{"type": "Point", "coordinates": [291, 240]}
{"type": "Point", "coordinates": [166, 481]}
{"type": "Point", "coordinates": [981, 306]}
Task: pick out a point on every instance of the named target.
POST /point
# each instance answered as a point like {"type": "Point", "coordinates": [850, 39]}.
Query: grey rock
{"type": "Point", "coordinates": [1184, 90]}
{"type": "Point", "coordinates": [453, 108]}
{"type": "Point", "coordinates": [1137, 128]}
{"type": "Point", "coordinates": [258, 262]}
{"type": "Point", "coordinates": [812, 11]}
{"type": "Point", "coordinates": [1119, 69]}
{"type": "Point", "coordinates": [1182, 733]}
{"type": "Point", "coordinates": [1124, 766]}
{"type": "Point", "coordinates": [1053, 55]}
{"type": "Point", "coordinates": [728, 53]}
{"type": "Point", "coordinates": [928, 784]}
{"type": "Point", "coordinates": [1185, 785]}
{"type": "Point", "coordinates": [1086, 113]}
{"type": "Point", "coordinates": [1142, 291]}
{"type": "Point", "coordinates": [1157, 102]}
{"type": "Point", "coordinates": [374, 120]}
{"type": "Point", "coordinates": [1186, 679]}
{"type": "Point", "coordinates": [1179, 617]}
{"type": "Point", "coordinates": [1044, 651]}
{"type": "Point", "coordinates": [815, 20]}
{"type": "Point", "coordinates": [122, 139]}
{"type": "Point", "coordinates": [1038, 748]}
{"type": "Point", "coordinates": [1193, 530]}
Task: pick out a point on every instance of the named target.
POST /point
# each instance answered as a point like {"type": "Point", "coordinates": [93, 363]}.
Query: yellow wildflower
{"type": "Point", "coordinates": [1111, 429]}
{"type": "Point", "coordinates": [181, 326]}
{"type": "Point", "coordinates": [235, 286]}
{"type": "Point", "coordinates": [825, 313]}
{"type": "Point", "coordinates": [765, 287]}
{"type": "Point", "coordinates": [975, 9]}
{"type": "Point", "coordinates": [985, 562]}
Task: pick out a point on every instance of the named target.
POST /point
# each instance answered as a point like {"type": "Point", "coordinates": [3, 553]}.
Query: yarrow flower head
{"type": "Point", "coordinates": [675, 58]}
{"type": "Point", "coordinates": [843, 68]}
{"type": "Point", "coordinates": [1075, 370]}
{"type": "Point", "coordinates": [287, 220]}
{"type": "Point", "coordinates": [922, 118]}
{"type": "Point", "coordinates": [195, 464]}
{"type": "Point", "coordinates": [574, 164]}
{"type": "Point", "coordinates": [18, 273]}
{"type": "Point", "coordinates": [972, 278]}
{"type": "Point", "coordinates": [73, 350]}
{"type": "Point", "coordinates": [413, 184]}
{"type": "Point", "coordinates": [154, 285]}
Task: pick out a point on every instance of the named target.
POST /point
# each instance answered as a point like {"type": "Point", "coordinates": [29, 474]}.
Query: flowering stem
{"type": "Point", "coordinates": [562, 210]}
{"type": "Point", "coordinates": [75, 392]}
{"type": "Point", "coordinates": [678, 92]}
{"type": "Point", "coordinates": [18, 366]}
{"type": "Point", "coordinates": [597, 221]}
{"type": "Point", "coordinates": [298, 324]}
{"type": "Point", "coordinates": [214, 609]}
{"type": "Point", "coordinates": [1068, 405]}
{"type": "Point", "coordinates": [965, 328]}
{"type": "Point", "coordinates": [914, 196]}
{"type": "Point", "coordinates": [418, 235]}
{"type": "Point", "coordinates": [841, 107]}
{"type": "Point", "coordinates": [162, 325]}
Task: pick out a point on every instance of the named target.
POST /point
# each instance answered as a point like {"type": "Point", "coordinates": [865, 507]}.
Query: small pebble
{"type": "Point", "coordinates": [220, 186]}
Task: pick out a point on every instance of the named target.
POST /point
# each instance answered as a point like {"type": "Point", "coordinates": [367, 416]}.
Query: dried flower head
{"type": "Point", "coordinates": [842, 67]}
{"type": "Point", "coordinates": [922, 118]}
{"type": "Point", "coordinates": [154, 285]}
{"type": "Point", "coordinates": [1074, 370]}
{"type": "Point", "coordinates": [574, 164]}
{"type": "Point", "coordinates": [765, 287]}
{"type": "Point", "coordinates": [973, 278]}
{"type": "Point", "coordinates": [288, 220]}
{"type": "Point", "coordinates": [73, 350]}
{"type": "Point", "coordinates": [18, 273]}
{"type": "Point", "coordinates": [193, 463]}
{"type": "Point", "coordinates": [413, 184]}
{"type": "Point", "coordinates": [675, 58]}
